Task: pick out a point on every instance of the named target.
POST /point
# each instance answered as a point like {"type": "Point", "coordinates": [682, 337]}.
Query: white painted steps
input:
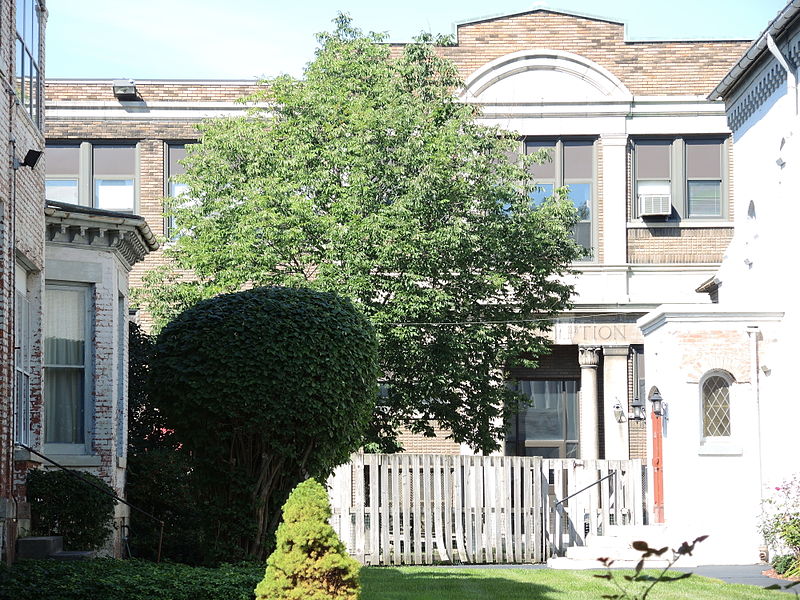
{"type": "Point", "coordinates": [616, 544]}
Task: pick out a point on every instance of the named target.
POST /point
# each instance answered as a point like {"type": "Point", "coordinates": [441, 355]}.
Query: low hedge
{"type": "Point", "coordinates": [112, 579]}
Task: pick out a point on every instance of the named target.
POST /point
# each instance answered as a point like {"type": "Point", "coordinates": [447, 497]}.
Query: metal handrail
{"type": "Point", "coordinates": [611, 474]}
{"type": "Point", "coordinates": [77, 475]}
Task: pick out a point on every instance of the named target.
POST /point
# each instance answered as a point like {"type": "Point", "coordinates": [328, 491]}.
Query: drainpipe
{"type": "Point", "coordinates": [754, 333]}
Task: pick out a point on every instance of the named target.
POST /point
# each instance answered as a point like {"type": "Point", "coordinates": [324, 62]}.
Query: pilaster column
{"type": "Point", "coordinates": [589, 359]}
{"type": "Point", "coordinates": [614, 214]}
{"type": "Point", "coordinates": [615, 389]}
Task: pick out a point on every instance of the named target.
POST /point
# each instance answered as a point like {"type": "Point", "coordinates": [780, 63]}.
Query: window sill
{"type": "Point", "coordinates": [682, 224]}
{"type": "Point", "coordinates": [719, 449]}
{"type": "Point", "coordinates": [76, 460]}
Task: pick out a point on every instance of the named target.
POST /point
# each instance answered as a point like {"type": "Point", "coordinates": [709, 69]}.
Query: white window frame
{"type": "Point", "coordinates": [22, 357]}
{"type": "Point", "coordinates": [83, 448]}
{"type": "Point", "coordinates": [679, 180]}
{"type": "Point", "coordinates": [717, 445]}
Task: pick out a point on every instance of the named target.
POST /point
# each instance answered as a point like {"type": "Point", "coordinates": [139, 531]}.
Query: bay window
{"type": "Point", "coordinates": [66, 348]}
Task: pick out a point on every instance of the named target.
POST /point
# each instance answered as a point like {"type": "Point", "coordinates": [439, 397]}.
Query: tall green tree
{"type": "Point", "coordinates": [368, 177]}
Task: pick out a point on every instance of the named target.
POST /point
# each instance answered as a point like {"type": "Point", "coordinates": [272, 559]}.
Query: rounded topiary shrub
{"type": "Point", "coordinates": [63, 505]}
{"type": "Point", "coordinates": [263, 388]}
{"type": "Point", "coordinates": [310, 562]}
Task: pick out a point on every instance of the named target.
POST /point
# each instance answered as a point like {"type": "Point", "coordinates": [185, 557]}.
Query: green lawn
{"type": "Point", "coordinates": [424, 583]}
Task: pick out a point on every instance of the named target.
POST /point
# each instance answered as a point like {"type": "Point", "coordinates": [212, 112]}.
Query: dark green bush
{"type": "Point", "coordinates": [110, 579]}
{"type": "Point", "coordinates": [62, 505]}
{"type": "Point", "coordinates": [310, 561]}
{"type": "Point", "coordinates": [263, 388]}
{"type": "Point", "coordinates": [783, 563]}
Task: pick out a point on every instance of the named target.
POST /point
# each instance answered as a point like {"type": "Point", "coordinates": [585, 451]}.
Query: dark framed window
{"type": "Point", "coordinates": [571, 163]}
{"type": "Point", "coordinates": [547, 425]}
{"type": "Point", "coordinates": [100, 175]}
{"type": "Point", "coordinates": [680, 178]}
{"type": "Point", "coordinates": [28, 74]}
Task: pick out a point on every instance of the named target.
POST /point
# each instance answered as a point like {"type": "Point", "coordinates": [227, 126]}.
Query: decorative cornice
{"type": "Point", "coordinates": [128, 236]}
{"type": "Point", "coordinates": [748, 104]}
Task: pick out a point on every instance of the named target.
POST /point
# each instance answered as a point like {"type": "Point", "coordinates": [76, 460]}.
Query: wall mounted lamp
{"type": "Point", "coordinates": [659, 406]}
{"type": "Point", "coordinates": [636, 415]}
{"type": "Point", "coordinates": [31, 158]}
{"type": "Point", "coordinates": [125, 89]}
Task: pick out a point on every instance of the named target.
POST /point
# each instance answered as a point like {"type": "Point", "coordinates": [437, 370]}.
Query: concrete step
{"type": "Point", "coordinates": [618, 554]}
{"type": "Point", "coordinates": [39, 547]}
{"type": "Point", "coordinates": [561, 562]}
{"type": "Point", "coordinates": [73, 555]}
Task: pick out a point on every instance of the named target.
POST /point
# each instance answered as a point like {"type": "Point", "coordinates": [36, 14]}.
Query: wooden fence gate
{"type": "Point", "coordinates": [394, 509]}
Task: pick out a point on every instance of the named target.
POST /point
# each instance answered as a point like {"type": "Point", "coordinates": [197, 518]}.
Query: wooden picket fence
{"type": "Point", "coordinates": [393, 509]}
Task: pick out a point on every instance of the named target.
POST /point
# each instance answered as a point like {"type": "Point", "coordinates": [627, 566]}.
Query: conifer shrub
{"type": "Point", "coordinates": [310, 562]}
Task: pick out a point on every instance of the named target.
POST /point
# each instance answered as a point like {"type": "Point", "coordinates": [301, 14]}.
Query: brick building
{"type": "Point", "coordinates": [22, 26]}
{"type": "Point", "coordinates": [646, 155]}
{"type": "Point", "coordinates": [63, 299]}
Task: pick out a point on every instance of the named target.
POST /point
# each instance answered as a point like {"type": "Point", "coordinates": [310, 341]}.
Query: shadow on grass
{"type": "Point", "coordinates": [386, 583]}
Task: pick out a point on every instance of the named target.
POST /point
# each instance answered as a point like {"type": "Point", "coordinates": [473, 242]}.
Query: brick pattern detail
{"type": "Point", "coordinates": [646, 68]}
{"type": "Point", "coordinates": [637, 430]}
{"type": "Point", "coordinates": [665, 245]}
{"type": "Point", "coordinates": [415, 443]}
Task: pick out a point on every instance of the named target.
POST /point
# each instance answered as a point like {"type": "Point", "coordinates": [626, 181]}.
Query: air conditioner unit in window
{"type": "Point", "coordinates": [655, 205]}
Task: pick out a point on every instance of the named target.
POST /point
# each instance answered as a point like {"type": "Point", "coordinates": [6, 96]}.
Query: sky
{"type": "Point", "coordinates": [249, 39]}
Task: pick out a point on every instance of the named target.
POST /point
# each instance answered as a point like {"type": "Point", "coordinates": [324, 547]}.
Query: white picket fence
{"type": "Point", "coordinates": [393, 509]}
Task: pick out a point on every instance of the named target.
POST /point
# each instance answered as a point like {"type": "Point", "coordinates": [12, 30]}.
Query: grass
{"type": "Point", "coordinates": [425, 583]}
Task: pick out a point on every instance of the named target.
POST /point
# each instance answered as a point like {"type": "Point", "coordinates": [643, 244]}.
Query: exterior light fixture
{"type": "Point", "coordinates": [125, 89]}
{"type": "Point", "coordinates": [618, 414]}
{"type": "Point", "coordinates": [31, 158]}
{"type": "Point", "coordinates": [658, 403]}
{"type": "Point", "coordinates": [638, 411]}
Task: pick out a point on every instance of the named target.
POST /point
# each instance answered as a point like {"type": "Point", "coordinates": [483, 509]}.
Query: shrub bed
{"type": "Point", "coordinates": [112, 579]}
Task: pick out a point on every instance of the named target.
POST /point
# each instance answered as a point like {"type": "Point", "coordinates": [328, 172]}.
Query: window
{"type": "Point", "coordinates": [22, 358]}
{"type": "Point", "coordinates": [66, 358]}
{"type": "Point", "coordinates": [98, 175]}
{"type": "Point", "coordinates": [175, 154]}
{"type": "Point", "coordinates": [682, 178]}
{"type": "Point", "coordinates": [28, 90]}
{"type": "Point", "coordinates": [571, 165]}
{"type": "Point", "coordinates": [548, 424]}
{"type": "Point", "coordinates": [715, 396]}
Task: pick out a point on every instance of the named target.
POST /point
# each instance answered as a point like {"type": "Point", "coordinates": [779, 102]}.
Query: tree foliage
{"type": "Point", "coordinates": [310, 562]}
{"type": "Point", "coordinates": [369, 177]}
{"type": "Point", "coordinates": [264, 388]}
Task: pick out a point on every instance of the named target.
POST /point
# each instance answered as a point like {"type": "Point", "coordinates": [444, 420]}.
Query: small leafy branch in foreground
{"type": "Point", "coordinates": [648, 582]}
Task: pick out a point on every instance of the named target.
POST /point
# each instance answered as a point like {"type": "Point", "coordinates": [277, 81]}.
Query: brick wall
{"type": "Point", "coordinates": [646, 68]}
{"type": "Point", "coordinates": [664, 245]}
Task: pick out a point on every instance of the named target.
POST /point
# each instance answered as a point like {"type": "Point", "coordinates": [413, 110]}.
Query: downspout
{"type": "Point", "coordinates": [754, 333]}
{"type": "Point", "coordinates": [791, 73]}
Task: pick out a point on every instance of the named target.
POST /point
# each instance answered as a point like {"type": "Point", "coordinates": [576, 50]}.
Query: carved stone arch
{"type": "Point", "coordinates": [539, 75]}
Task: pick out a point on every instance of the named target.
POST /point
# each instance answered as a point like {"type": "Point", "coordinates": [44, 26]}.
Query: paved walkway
{"type": "Point", "coordinates": [746, 574]}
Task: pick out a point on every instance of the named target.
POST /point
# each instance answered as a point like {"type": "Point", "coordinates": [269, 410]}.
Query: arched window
{"type": "Point", "coordinates": [716, 405]}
